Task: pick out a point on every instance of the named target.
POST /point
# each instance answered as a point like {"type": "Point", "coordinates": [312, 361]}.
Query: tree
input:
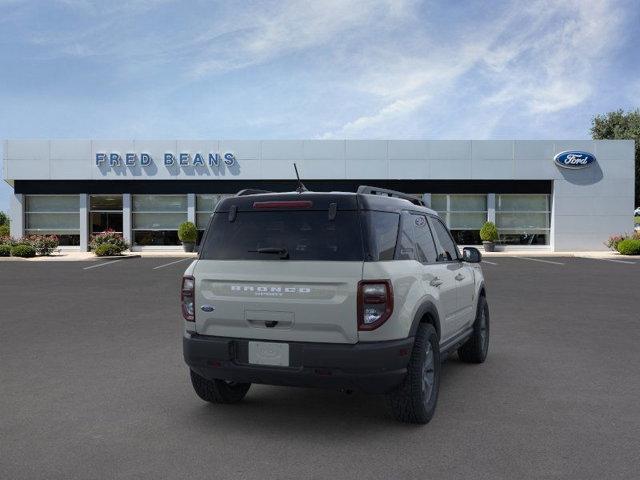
{"type": "Point", "coordinates": [4, 218]}
{"type": "Point", "coordinates": [620, 125]}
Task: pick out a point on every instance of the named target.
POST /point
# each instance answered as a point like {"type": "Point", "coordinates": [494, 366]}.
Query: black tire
{"type": "Point", "coordinates": [475, 349]}
{"type": "Point", "coordinates": [218, 391]}
{"type": "Point", "coordinates": [414, 401]}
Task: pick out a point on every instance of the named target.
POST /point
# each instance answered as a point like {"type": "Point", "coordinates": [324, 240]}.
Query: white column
{"type": "Point", "coordinates": [191, 207]}
{"type": "Point", "coordinates": [491, 207]}
{"type": "Point", "coordinates": [17, 215]}
{"type": "Point", "coordinates": [84, 222]}
{"type": "Point", "coordinates": [126, 219]}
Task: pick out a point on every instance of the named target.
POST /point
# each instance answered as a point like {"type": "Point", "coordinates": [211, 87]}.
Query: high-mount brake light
{"type": "Point", "coordinates": [284, 204]}
{"type": "Point", "coordinates": [375, 303]}
{"type": "Point", "coordinates": [187, 298]}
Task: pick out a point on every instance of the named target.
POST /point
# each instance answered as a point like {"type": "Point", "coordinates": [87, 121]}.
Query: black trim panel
{"type": "Point", "coordinates": [143, 186]}
{"type": "Point", "coordinates": [373, 367]}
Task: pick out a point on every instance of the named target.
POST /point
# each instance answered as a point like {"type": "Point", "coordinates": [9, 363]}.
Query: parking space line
{"type": "Point", "coordinates": [540, 260]}
{"type": "Point", "coordinates": [172, 263]}
{"type": "Point", "coordinates": [490, 263]}
{"type": "Point", "coordinates": [613, 260]}
{"type": "Point", "coordinates": [101, 264]}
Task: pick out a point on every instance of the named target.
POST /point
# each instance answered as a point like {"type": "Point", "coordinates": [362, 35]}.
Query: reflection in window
{"type": "Point", "coordinates": [54, 215]}
{"type": "Point", "coordinates": [464, 215]}
{"type": "Point", "coordinates": [523, 219]}
{"type": "Point", "coordinates": [156, 218]}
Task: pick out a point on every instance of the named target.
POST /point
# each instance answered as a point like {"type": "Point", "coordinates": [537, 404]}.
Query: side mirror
{"type": "Point", "coordinates": [471, 255]}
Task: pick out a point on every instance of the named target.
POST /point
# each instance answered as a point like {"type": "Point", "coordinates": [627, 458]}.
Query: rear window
{"type": "Point", "coordinates": [304, 235]}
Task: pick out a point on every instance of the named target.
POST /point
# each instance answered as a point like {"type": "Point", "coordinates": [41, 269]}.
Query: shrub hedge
{"type": "Point", "coordinates": [5, 250]}
{"type": "Point", "coordinates": [108, 237]}
{"type": "Point", "coordinates": [23, 250]}
{"type": "Point", "coordinates": [108, 250]}
{"type": "Point", "coordinates": [629, 246]}
{"type": "Point", "coordinates": [4, 231]}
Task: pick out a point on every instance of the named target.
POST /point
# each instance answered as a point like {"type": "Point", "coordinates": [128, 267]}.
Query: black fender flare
{"type": "Point", "coordinates": [427, 308]}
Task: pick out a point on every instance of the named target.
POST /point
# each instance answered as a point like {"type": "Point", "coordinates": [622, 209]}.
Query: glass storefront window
{"type": "Point", "coordinates": [156, 218]}
{"type": "Point", "coordinates": [464, 214]}
{"type": "Point", "coordinates": [205, 205]}
{"type": "Point", "coordinates": [54, 215]}
{"type": "Point", "coordinates": [523, 219]}
{"type": "Point", "coordinates": [106, 213]}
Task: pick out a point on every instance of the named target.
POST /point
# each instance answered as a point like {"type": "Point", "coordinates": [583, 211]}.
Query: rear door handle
{"type": "Point", "coordinates": [436, 282]}
{"type": "Point", "coordinates": [459, 277]}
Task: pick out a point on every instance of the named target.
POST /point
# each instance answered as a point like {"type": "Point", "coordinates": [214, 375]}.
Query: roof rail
{"type": "Point", "coordinates": [368, 190]}
{"type": "Point", "coordinates": [251, 191]}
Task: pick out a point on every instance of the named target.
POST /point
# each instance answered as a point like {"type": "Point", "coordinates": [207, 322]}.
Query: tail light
{"type": "Point", "coordinates": [187, 298]}
{"type": "Point", "coordinates": [375, 303]}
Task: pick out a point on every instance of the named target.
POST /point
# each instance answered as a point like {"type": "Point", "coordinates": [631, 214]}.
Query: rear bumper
{"type": "Point", "coordinates": [372, 367]}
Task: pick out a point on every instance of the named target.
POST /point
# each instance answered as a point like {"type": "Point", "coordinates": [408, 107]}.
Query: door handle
{"type": "Point", "coordinates": [459, 277]}
{"type": "Point", "coordinates": [436, 282]}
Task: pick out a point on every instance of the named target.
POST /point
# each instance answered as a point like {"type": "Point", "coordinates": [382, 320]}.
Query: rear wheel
{"type": "Point", "coordinates": [415, 400]}
{"type": "Point", "coordinates": [218, 391]}
{"type": "Point", "coordinates": [475, 349]}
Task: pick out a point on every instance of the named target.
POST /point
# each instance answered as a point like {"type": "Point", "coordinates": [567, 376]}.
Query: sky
{"type": "Point", "coordinates": [286, 69]}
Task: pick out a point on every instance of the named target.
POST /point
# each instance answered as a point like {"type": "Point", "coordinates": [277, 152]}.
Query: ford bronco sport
{"type": "Point", "coordinates": [357, 291]}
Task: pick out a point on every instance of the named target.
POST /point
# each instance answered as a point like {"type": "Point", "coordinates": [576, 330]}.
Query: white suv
{"type": "Point", "coordinates": [356, 291]}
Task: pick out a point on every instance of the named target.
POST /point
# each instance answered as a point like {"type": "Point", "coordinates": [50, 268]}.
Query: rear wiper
{"type": "Point", "coordinates": [284, 254]}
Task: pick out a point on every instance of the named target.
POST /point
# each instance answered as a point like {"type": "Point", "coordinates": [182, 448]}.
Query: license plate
{"type": "Point", "coordinates": [269, 353]}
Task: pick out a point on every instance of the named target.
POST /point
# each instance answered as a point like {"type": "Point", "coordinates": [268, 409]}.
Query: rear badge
{"type": "Point", "coordinates": [207, 308]}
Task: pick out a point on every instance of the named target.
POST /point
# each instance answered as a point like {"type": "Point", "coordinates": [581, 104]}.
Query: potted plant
{"type": "Point", "coordinates": [188, 235]}
{"type": "Point", "coordinates": [489, 236]}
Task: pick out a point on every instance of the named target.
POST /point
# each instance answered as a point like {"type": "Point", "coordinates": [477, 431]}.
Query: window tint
{"type": "Point", "coordinates": [449, 250]}
{"type": "Point", "coordinates": [406, 239]}
{"type": "Point", "coordinates": [425, 247]}
{"type": "Point", "coordinates": [305, 235]}
{"type": "Point", "coordinates": [383, 233]}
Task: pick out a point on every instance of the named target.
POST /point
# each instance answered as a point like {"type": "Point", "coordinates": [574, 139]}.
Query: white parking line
{"type": "Point", "coordinates": [613, 260]}
{"type": "Point", "coordinates": [490, 263]}
{"type": "Point", "coordinates": [540, 260]}
{"type": "Point", "coordinates": [172, 263]}
{"type": "Point", "coordinates": [102, 264]}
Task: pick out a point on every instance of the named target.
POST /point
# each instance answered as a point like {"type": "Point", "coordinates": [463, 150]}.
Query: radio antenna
{"type": "Point", "coordinates": [301, 188]}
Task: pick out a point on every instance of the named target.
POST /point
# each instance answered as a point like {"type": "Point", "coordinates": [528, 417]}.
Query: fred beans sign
{"type": "Point", "coordinates": [169, 159]}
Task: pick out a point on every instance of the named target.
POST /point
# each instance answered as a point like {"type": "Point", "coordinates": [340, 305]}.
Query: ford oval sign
{"type": "Point", "coordinates": [574, 159]}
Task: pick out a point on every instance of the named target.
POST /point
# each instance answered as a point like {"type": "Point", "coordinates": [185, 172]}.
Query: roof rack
{"type": "Point", "coordinates": [251, 191]}
{"type": "Point", "coordinates": [368, 190]}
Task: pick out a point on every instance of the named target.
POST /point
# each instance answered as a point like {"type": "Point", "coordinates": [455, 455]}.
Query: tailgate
{"type": "Point", "coordinates": [304, 301]}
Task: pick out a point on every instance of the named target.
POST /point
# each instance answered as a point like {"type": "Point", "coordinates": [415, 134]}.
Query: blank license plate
{"type": "Point", "coordinates": [269, 353]}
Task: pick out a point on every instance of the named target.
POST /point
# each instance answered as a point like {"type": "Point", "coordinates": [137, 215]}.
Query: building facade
{"type": "Point", "coordinates": [554, 195]}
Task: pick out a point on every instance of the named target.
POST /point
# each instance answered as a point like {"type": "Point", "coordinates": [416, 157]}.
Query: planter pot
{"type": "Point", "coordinates": [188, 246]}
{"type": "Point", "coordinates": [489, 246]}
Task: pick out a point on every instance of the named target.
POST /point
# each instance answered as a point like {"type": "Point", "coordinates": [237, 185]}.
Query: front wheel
{"type": "Point", "coordinates": [218, 391]}
{"type": "Point", "coordinates": [476, 347]}
{"type": "Point", "coordinates": [414, 401]}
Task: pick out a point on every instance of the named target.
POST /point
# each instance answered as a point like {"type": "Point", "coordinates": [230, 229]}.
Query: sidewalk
{"type": "Point", "coordinates": [75, 256]}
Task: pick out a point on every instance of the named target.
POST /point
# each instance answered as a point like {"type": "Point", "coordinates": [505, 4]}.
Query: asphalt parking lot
{"type": "Point", "coordinates": [92, 385]}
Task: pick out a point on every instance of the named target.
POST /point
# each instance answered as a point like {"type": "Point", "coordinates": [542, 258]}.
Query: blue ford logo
{"type": "Point", "coordinates": [207, 308]}
{"type": "Point", "coordinates": [574, 159]}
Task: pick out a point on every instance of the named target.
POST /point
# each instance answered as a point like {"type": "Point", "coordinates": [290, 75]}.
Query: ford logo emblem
{"type": "Point", "coordinates": [207, 308]}
{"type": "Point", "coordinates": [574, 159]}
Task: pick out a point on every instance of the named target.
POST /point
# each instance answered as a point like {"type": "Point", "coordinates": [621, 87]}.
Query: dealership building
{"type": "Point", "coordinates": [548, 194]}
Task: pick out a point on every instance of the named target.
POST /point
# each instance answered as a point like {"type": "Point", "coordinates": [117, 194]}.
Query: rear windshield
{"type": "Point", "coordinates": [266, 235]}
{"type": "Point", "coordinates": [302, 235]}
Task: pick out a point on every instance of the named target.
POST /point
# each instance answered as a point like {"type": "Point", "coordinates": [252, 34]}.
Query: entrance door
{"type": "Point", "coordinates": [105, 213]}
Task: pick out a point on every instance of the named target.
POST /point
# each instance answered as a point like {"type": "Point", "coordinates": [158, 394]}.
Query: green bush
{"type": "Point", "coordinates": [4, 218]}
{"type": "Point", "coordinates": [187, 232]}
{"type": "Point", "coordinates": [108, 237]}
{"type": "Point", "coordinates": [44, 244]}
{"type": "Point", "coordinates": [5, 250]}
{"type": "Point", "coordinates": [489, 232]}
{"type": "Point", "coordinates": [108, 250]}
{"type": "Point", "coordinates": [23, 250]}
{"type": "Point", "coordinates": [629, 246]}
{"type": "Point", "coordinates": [4, 231]}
